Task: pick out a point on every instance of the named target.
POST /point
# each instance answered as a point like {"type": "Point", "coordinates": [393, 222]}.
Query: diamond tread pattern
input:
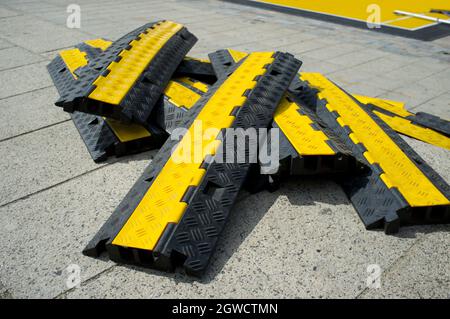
{"type": "Point", "coordinates": [96, 135]}
{"type": "Point", "coordinates": [139, 101]}
{"type": "Point", "coordinates": [101, 141]}
{"type": "Point", "coordinates": [168, 116]}
{"type": "Point", "coordinates": [341, 162]}
{"type": "Point", "coordinates": [221, 62]}
{"type": "Point", "coordinates": [60, 73]}
{"type": "Point", "coordinates": [432, 122]}
{"type": "Point", "coordinates": [376, 204]}
{"type": "Point", "coordinates": [191, 242]}
{"type": "Point", "coordinates": [406, 123]}
{"type": "Point", "coordinates": [291, 162]}
{"type": "Point", "coordinates": [200, 70]}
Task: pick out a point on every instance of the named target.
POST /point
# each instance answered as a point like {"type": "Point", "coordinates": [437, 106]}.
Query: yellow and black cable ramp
{"type": "Point", "coordinates": [126, 80]}
{"type": "Point", "coordinates": [400, 188]}
{"type": "Point", "coordinates": [175, 212]}
{"type": "Point", "coordinates": [305, 145]}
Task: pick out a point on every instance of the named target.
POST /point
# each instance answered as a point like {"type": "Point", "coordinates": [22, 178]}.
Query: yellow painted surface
{"type": "Point", "coordinates": [99, 43]}
{"type": "Point", "coordinates": [297, 127]}
{"type": "Point", "coordinates": [113, 87]}
{"type": "Point", "coordinates": [412, 23]}
{"type": "Point", "coordinates": [194, 83]}
{"type": "Point", "coordinates": [180, 95]}
{"type": "Point", "coordinates": [360, 10]}
{"type": "Point", "coordinates": [73, 58]}
{"type": "Point", "coordinates": [405, 127]}
{"type": "Point", "coordinates": [197, 59]}
{"type": "Point", "coordinates": [237, 55]}
{"type": "Point", "coordinates": [200, 86]}
{"type": "Point", "coordinates": [399, 170]}
{"type": "Point", "coordinates": [127, 132]}
{"type": "Point", "coordinates": [162, 202]}
{"type": "Point", "coordinates": [402, 125]}
{"type": "Point", "coordinates": [395, 107]}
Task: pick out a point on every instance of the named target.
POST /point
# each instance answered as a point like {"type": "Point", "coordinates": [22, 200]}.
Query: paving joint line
{"type": "Point", "coordinates": [12, 45]}
{"type": "Point", "coordinates": [115, 160]}
{"type": "Point", "coordinates": [40, 18]}
{"type": "Point", "coordinates": [389, 269]}
{"type": "Point", "coordinates": [32, 52]}
{"type": "Point", "coordinates": [57, 184]}
{"type": "Point", "coordinates": [18, 15]}
{"type": "Point", "coordinates": [30, 91]}
{"type": "Point", "coordinates": [19, 66]}
{"type": "Point", "coordinates": [57, 49]}
{"type": "Point", "coordinates": [426, 101]}
{"type": "Point", "coordinates": [394, 89]}
{"type": "Point", "coordinates": [85, 282]}
{"type": "Point", "coordinates": [32, 131]}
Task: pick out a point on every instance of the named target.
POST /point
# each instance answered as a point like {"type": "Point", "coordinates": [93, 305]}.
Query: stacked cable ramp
{"type": "Point", "coordinates": [133, 94]}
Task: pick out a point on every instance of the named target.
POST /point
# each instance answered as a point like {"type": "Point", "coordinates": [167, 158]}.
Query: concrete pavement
{"type": "Point", "coordinates": [305, 240]}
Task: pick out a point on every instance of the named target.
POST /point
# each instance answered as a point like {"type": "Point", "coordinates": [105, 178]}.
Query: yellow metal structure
{"type": "Point", "coordinates": [127, 132]}
{"type": "Point", "coordinates": [73, 58]}
{"type": "Point", "coordinates": [178, 94]}
{"type": "Point", "coordinates": [399, 123]}
{"type": "Point", "coordinates": [197, 59]}
{"type": "Point", "coordinates": [122, 75]}
{"type": "Point", "coordinates": [237, 55]}
{"type": "Point", "coordinates": [181, 96]}
{"type": "Point", "coordinates": [195, 84]}
{"type": "Point", "coordinates": [299, 131]}
{"type": "Point", "coordinates": [395, 107]}
{"type": "Point", "coordinates": [162, 204]}
{"type": "Point", "coordinates": [408, 128]}
{"type": "Point", "coordinates": [398, 170]}
{"type": "Point", "coordinates": [99, 43]}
